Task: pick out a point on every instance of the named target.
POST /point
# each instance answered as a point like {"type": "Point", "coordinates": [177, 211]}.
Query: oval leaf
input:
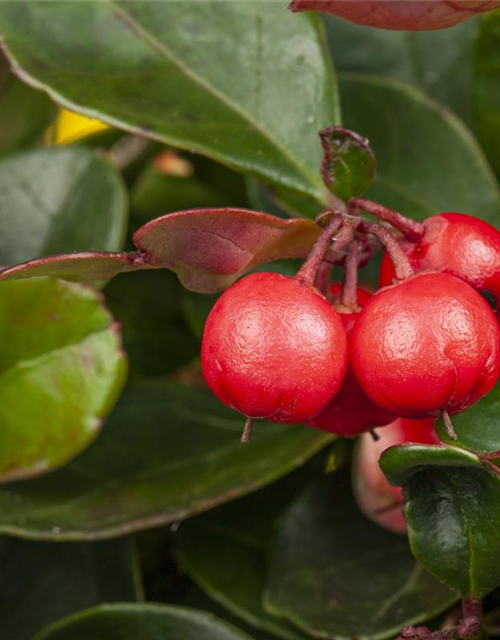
{"type": "Point", "coordinates": [168, 451]}
{"type": "Point", "coordinates": [102, 571]}
{"type": "Point", "coordinates": [144, 621]}
{"type": "Point", "coordinates": [54, 200]}
{"type": "Point", "coordinates": [452, 507]}
{"type": "Point", "coordinates": [349, 163]}
{"type": "Point", "coordinates": [335, 574]}
{"type": "Point", "coordinates": [61, 370]}
{"type": "Point", "coordinates": [210, 248]}
{"type": "Point", "coordinates": [486, 87]}
{"type": "Point", "coordinates": [427, 161]}
{"type": "Point", "coordinates": [247, 121]}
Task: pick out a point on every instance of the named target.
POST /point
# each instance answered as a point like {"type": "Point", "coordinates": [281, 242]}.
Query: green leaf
{"type": "Point", "coordinates": [225, 551]}
{"type": "Point", "coordinates": [156, 337]}
{"type": "Point", "coordinates": [209, 249]}
{"type": "Point", "coordinates": [168, 451]}
{"type": "Point", "coordinates": [54, 200]}
{"type": "Point", "coordinates": [349, 163]}
{"type": "Point", "coordinates": [164, 59]}
{"type": "Point", "coordinates": [438, 62]}
{"type": "Point", "coordinates": [24, 114]}
{"type": "Point", "coordinates": [42, 583]}
{"type": "Point", "coordinates": [452, 505]}
{"type": "Point", "coordinates": [61, 370]}
{"type": "Point", "coordinates": [478, 428]}
{"type": "Point", "coordinates": [335, 574]}
{"type": "Point", "coordinates": [427, 161]}
{"type": "Point", "coordinates": [144, 621]}
{"type": "Point", "coordinates": [486, 87]}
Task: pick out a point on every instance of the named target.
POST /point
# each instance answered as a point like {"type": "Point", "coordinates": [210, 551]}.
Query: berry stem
{"type": "Point", "coordinates": [307, 272]}
{"type": "Point", "coordinates": [400, 261]}
{"type": "Point", "coordinates": [448, 425]}
{"type": "Point", "coordinates": [469, 626]}
{"type": "Point", "coordinates": [349, 295]}
{"type": "Point", "coordinates": [412, 229]}
{"type": "Point", "coordinates": [247, 431]}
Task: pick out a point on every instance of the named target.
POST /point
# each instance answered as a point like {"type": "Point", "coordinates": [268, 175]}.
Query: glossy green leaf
{"type": "Point", "coordinates": [225, 551]}
{"type": "Point", "coordinates": [144, 621]}
{"type": "Point", "coordinates": [41, 582]}
{"type": "Point", "coordinates": [478, 428]}
{"type": "Point", "coordinates": [24, 114]}
{"type": "Point", "coordinates": [209, 249]}
{"type": "Point", "coordinates": [168, 451]}
{"type": "Point", "coordinates": [61, 370]}
{"type": "Point", "coordinates": [54, 200]}
{"type": "Point", "coordinates": [348, 166]}
{"type": "Point", "coordinates": [427, 161]}
{"type": "Point", "coordinates": [168, 82]}
{"type": "Point", "coordinates": [335, 574]}
{"type": "Point", "coordinates": [486, 87]}
{"type": "Point", "coordinates": [438, 62]}
{"type": "Point", "coordinates": [156, 337]}
{"type": "Point", "coordinates": [452, 507]}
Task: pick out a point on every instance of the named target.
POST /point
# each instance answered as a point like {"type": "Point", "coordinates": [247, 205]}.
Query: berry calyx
{"type": "Point", "coordinates": [425, 346]}
{"type": "Point", "coordinates": [460, 245]}
{"type": "Point", "coordinates": [403, 15]}
{"type": "Point", "coordinates": [351, 412]}
{"type": "Point", "coordinates": [274, 348]}
{"type": "Point", "coordinates": [376, 498]}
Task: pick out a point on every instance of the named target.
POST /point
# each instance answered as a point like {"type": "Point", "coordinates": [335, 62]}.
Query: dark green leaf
{"type": "Point", "coordinates": [55, 200]}
{"type": "Point", "coordinates": [452, 507]}
{"type": "Point", "coordinates": [486, 87]}
{"type": "Point", "coordinates": [144, 621]}
{"type": "Point", "coordinates": [164, 59]}
{"type": "Point", "coordinates": [427, 161]}
{"type": "Point", "coordinates": [24, 114]}
{"type": "Point", "coordinates": [438, 62]}
{"type": "Point", "coordinates": [349, 163]}
{"type": "Point", "coordinates": [478, 428]}
{"type": "Point", "coordinates": [148, 306]}
{"type": "Point", "coordinates": [335, 574]}
{"type": "Point", "coordinates": [61, 370]}
{"type": "Point", "coordinates": [225, 551]}
{"type": "Point", "coordinates": [43, 582]}
{"type": "Point", "coordinates": [167, 452]}
{"type": "Point", "coordinates": [208, 249]}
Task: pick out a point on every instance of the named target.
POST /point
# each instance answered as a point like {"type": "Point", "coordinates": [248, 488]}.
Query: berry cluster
{"type": "Point", "coordinates": [304, 350]}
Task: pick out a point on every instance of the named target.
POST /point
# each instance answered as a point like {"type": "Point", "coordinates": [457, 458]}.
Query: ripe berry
{"type": "Point", "coordinates": [460, 245]}
{"type": "Point", "coordinates": [274, 348]}
{"type": "Point", "coordinates": [403, 15]}
{"type": "Point", "coordinates": [377, 499]}
{"type": "Point", "coordinates": [351, 412]}
{"type": "Point", "coordinates": [427, 345]}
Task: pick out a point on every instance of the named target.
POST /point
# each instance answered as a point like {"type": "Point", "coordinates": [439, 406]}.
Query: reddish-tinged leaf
{"type": "Point", "coordinates": [207, 248]}
{"type": "Point", "coordinates": [210, 248]}
{"type": "Point", "coordinates": [414, 15]}
{"type": "Point", "coordinates": [77, 267]}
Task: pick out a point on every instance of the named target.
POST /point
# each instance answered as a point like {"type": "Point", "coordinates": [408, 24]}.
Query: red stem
{"type": "Point", "coordinates": [400, 261]}
{"type": "Point", "coordinates": [307, 272]}
{"type": "Point", "coordinates": [349, 295]}
{"type": "Point", "coordinates": [412, 229]}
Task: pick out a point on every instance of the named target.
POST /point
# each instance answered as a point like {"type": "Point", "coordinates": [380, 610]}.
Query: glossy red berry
{"type": "Point", "coordinates": [274, 348]}
{"type": "Point", "coordinates": [426, 345]}
{"type": "Point", "coordinates": [377, 499]}
{"type": "Point", "coordinates": [460, 245]}
{"type": "Point", "coordinates": [403, 15]}
{"type": "Point", "coordinates": [351, 412]}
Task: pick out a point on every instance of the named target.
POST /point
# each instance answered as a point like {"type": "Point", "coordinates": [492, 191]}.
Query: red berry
{"type": "Point", "coordinates": [377, 499]}
{"type": "Point", "coordinates": [274, 348]}
{"type": "Point", "coordinates": [426, 345]}
{"type": "Point", "coordinates": [351, 412]}
{"type": "Point", "coordinates": [460, 245]}
{"type": "Point", "coordinates": [403, 15]}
